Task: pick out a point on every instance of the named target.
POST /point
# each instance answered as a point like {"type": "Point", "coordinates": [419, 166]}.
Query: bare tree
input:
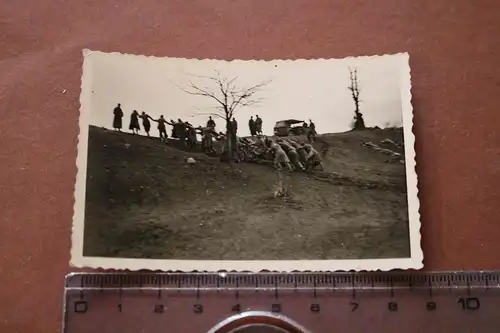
{"type": "Point", "coordinates": [358, 121]}
{"type": "Point", "coordinates": [227, 97]}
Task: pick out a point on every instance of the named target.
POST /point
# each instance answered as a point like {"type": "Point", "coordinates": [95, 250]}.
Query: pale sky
{"type": "Point", "coordinates": [304, 89]}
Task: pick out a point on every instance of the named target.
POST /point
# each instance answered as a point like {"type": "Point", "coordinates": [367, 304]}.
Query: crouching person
{"type": "Point", "coordinates": [292, 154]}
{"type": "Point", "coordinates": [313, 158]}
{"type": "Point", "coordinates": [301, 152]}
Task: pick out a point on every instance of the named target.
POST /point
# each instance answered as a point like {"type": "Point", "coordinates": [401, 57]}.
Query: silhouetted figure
{"type": "Point", "coordinates": [211, 123]}
{"type": "Point", "coordinates": [134, 122]}
{"type": "Point", "coordinates": [117, 118]}
{"type": "Point", "coordinates": [234, 137]}
{"type": "Point", "coordinates": [207, 135]}
{"type": "Point", "coordinates": [181, 131]}
{"type": "Point", "coordinates": [145, 122]}
{"type": "Point", "coordinates": [162, 129]}
{"type": "Point", "coordinates": [258, 124]}
{"type": "Point", "coordinates": [359, 122]}
{"type": "Point", "coordinates": [234, 125]}
{"type": "Point", "coordinates": [252, 126]}
{"type": "Point", "coordinates": [172, 123]}
{"type": "Point", "coordinates": [311, 134]}
{"type": "Point", "coordinates": [225, 154]}
{"type": "Point", "coordinates": [191, 136]}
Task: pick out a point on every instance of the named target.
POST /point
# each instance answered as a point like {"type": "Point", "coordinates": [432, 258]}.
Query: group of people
{"type": "Point", "coordinates": [286, 152]}
{"type": "Point", "coordinates": [182, 130]}
{"type": "Point", "coordinates": [255, 125]}
{"type": "Point", "coordinates": [310, 131]}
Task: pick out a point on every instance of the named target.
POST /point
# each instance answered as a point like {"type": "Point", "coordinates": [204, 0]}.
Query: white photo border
{"type": "Point", "coordinates": [77, 238]}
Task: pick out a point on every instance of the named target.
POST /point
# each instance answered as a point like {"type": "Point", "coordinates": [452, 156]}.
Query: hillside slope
{"type": "Point", "coordinates": [145, 201]}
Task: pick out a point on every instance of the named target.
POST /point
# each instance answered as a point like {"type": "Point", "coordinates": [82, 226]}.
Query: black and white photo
{"type": "Point", "coordinates": [246, 165]}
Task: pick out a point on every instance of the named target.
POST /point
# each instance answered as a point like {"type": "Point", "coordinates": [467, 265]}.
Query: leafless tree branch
{"type": "Point", "coordinates": [229, 97]}
{"type": "Point", "coordinates": [358, 117]}
{"type": "Point", "coordinates": [213, 114]}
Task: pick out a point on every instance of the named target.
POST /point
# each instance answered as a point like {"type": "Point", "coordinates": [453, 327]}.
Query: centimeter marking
{"type": "Point", "coordinates": [277, 282]}
{"type": "Point", "coordinates": [431, 292]}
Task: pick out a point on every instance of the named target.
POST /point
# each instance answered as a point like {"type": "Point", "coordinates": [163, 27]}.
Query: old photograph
{"type": "Point", "coordinates": [246, 165]}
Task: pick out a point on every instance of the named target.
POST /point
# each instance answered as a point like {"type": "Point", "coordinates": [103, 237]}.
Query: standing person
{"type": "Point", "coordinates": [174, 133]}
{"type": "Point", "coordinates": [202, 131]}
{"type": "Point", "coordinates": [191, 136]}
{"type": "Point", "coordinates": [234, 124]}
{"type": "Point", "coordinates": [117, 118]}
{"type": "Point", "coordinates": [134, 122]}
{"type": "Point", "coordinates": [258, 125]}
{"type": "Point", "coordinates": [145, 122]}
{"type": "Point", "coordinates": [181, 131]}
{"type": "Point", "coordinates": [232, 130]}
{"type": "Point", "coordinates": [234, 136]}
{"type": "Point", "coordinates": [251, 125]}
{"type": "Point", "coordinates": [311, 134]}
{"type": "Point", "coordinates": [210, 134]}
{"type": "Point", "coordinates": [161, 127]}
{"type": "Point", "coordinates": [211, 123]}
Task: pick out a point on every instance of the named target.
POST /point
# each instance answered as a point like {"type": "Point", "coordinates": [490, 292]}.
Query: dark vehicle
{"type": "Point", "coordinates": [289, 127]}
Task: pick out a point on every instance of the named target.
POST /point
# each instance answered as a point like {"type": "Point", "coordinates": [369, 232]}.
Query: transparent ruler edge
{"type": "Point", "coordinates": [283, 281]}
{"type": "Point", "coordinates": [459, 281]}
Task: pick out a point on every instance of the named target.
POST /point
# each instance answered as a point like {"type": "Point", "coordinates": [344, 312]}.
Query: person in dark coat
{"type": "Point", "coordinates": [234, 136]}
{"type": "Point", "coordinates": [234, 124]}
{"type": "Point", "coordinates": [117, 118]}
{"type": "Point", "coordinates": [311, 134]}
{"type": "Point", "coordinates": [174, 133]}
{"type": "Point", "coordinates": [258, 125]}
{"type": "Point", "coordinates": [207, 135]}
{"type": "Point", "coordinates": [134, 122]}
{"type": "Point", "coordinates": [145, 122]}
{"type": "Point", "coordinates": [192, 140]}
{"type": "Point", "coordinates": [211, 123]}
{"type": "Point", "coordinates": [181, 131]}
{"type": "Point", "coordinates": [162, 128]}
{"type": "Point", "coordinates": [252, 126]}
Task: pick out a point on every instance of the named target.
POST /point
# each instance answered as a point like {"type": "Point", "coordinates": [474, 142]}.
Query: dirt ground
{"type": "Point", "coordinates": [145, 201]}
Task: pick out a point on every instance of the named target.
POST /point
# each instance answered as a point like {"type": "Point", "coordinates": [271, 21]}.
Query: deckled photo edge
{"type": "Point", "coordinates": [87, 53]}
{"type": "Point", "coordinates": [416, 252]}
{"type": "Point", "coordinates": [414, 262]}
{"type": "Point", "coordinates": [77, 235]}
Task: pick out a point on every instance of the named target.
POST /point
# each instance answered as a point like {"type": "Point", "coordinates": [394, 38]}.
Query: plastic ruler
{"type": "Point", "coordinates": [276, 302]}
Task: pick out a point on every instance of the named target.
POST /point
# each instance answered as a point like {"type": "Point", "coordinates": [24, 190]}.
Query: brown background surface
{"type": "Point", "coordinates": [454, 54]}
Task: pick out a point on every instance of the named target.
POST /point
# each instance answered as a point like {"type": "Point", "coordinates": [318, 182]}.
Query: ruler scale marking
{"type": "Point", "coordinates": [237, 291]}
{"type": "Point", "coordinates": [83, 281]}
{"type": "Point", "coordinates": [159, 288]}
{"type": "Point", "coordinates": [468, 285]}
{"type": "Point", "coordinates": [454, 298]}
